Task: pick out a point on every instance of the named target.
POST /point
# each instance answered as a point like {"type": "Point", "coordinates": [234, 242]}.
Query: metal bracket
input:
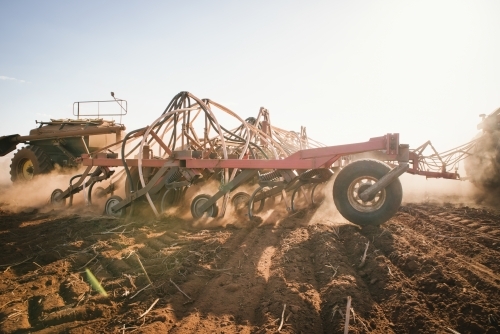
{"type": "Point", "coordinates": [67, 153]}
{"type": "Point", "coordinates": [384, 181]}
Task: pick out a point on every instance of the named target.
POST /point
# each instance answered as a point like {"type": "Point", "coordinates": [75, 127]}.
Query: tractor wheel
{"type": "Point", "coordinates": [355, 178]}
{"type": "Point", "coordinates": [28, 162]}
{"type": "Point", "coordinates": [197, 202]}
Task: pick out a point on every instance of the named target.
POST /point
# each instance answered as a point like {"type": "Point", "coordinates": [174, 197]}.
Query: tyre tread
{"type": "Point", "coordinates": [43, 161]}
{"type": "Point", "coordinates": [366, 167]}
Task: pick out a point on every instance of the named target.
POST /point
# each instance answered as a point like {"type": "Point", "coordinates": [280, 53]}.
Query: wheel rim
{"type": "Point", "coordinates": [197, 204]}
{"type": "Point", "coordinates": [109, 207]}
{"type": "Point", "coordinates": [240, 201]}
{"type": "Point", "coordinates": [25, 169]}
{"type": "Point", "coordinates": [357, 187]}
{"type": "Point", "coordinates": [53, 199]}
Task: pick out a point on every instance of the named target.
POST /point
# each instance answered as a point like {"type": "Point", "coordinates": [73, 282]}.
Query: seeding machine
{"type": "Point", "coordinates": [253, 165]}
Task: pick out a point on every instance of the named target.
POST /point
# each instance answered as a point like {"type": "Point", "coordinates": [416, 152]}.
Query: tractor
{"type": "Point", "coordinates": [61, 142]}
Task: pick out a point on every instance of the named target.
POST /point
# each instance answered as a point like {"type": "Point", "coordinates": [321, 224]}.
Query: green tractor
{"type": "Point", "coordinates": [62, 141]}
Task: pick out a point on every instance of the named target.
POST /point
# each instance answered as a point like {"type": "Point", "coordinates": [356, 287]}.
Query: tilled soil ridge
{"type": "Point", "coordinates": [430, 269]}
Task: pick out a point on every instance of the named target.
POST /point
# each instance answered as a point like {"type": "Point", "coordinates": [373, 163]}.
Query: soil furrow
{"type": "Point", "coordinates": [430, 269]}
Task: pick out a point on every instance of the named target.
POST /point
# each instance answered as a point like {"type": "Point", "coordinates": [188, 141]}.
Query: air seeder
{"type": "Point", "coordinates": [188, 146]}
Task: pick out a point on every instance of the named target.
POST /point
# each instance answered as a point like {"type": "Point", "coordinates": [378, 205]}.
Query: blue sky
{"type": "Point", "coordinates": [347, 70]}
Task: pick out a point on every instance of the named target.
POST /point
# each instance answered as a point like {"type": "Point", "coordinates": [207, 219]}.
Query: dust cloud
{"type": "Point", "coordinates": [183, 208]}
{"type": "Point", "coordinates": [35, 194]}
{"type": "Point", "coordinates": [327, 212]}
{"type": "Point", "coordinates": [4, 170]}
{"type": "Point", "coordinates": [483, 168]}
{"type": "Point", "coordinates": [416, 189]}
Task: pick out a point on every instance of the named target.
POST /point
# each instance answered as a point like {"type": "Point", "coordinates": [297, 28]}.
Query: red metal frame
{"type": "Point", "coordinates": [322, 157]}
{"type": "Point", "coordinates": [414, 158]}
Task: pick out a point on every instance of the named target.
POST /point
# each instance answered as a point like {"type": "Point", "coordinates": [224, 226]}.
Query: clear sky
{"type": "Point", "coordinates": [347, 70]}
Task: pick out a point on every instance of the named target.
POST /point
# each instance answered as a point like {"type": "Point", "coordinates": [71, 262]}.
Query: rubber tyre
{"type": "Point", "coordinates": [95, 194]}
{"type": "Point", "coordinates": [57, 203]}
{"type": "Point", "coordinates": [385, 204]}
{"type": "Point", "coordinates": [239, 201]}
{"type": "Point", "coordinates": [170, 198]}
{"type": "Point", "coordinates": [28, 162]}
{"type": "Point", "coordinates": [112, 201]}
{"type": "Point", "coordinates": [197, 202]}
{"type": "Point", "coordinates": [299, 198]}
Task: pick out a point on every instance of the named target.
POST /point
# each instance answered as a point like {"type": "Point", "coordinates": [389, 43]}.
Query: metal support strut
{"type": "Point", "coordinates": [383, 182]}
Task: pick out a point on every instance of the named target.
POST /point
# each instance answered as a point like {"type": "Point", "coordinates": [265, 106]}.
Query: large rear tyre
{"type": "Point", "coordinates": [28, 162]}
{"type": "Point", "coordinates": [356, 178]}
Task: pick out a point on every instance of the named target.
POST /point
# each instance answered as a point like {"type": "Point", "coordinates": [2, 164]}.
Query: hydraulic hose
{"type": "Point", "coordinates": [125, 166]}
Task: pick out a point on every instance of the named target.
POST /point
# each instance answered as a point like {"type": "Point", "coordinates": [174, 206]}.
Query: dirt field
{"type": "Point", "coordinates": [433, 268]}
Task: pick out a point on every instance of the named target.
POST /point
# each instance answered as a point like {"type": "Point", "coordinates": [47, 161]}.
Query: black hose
{"type": "Point", "coordinates": [227, 131]}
